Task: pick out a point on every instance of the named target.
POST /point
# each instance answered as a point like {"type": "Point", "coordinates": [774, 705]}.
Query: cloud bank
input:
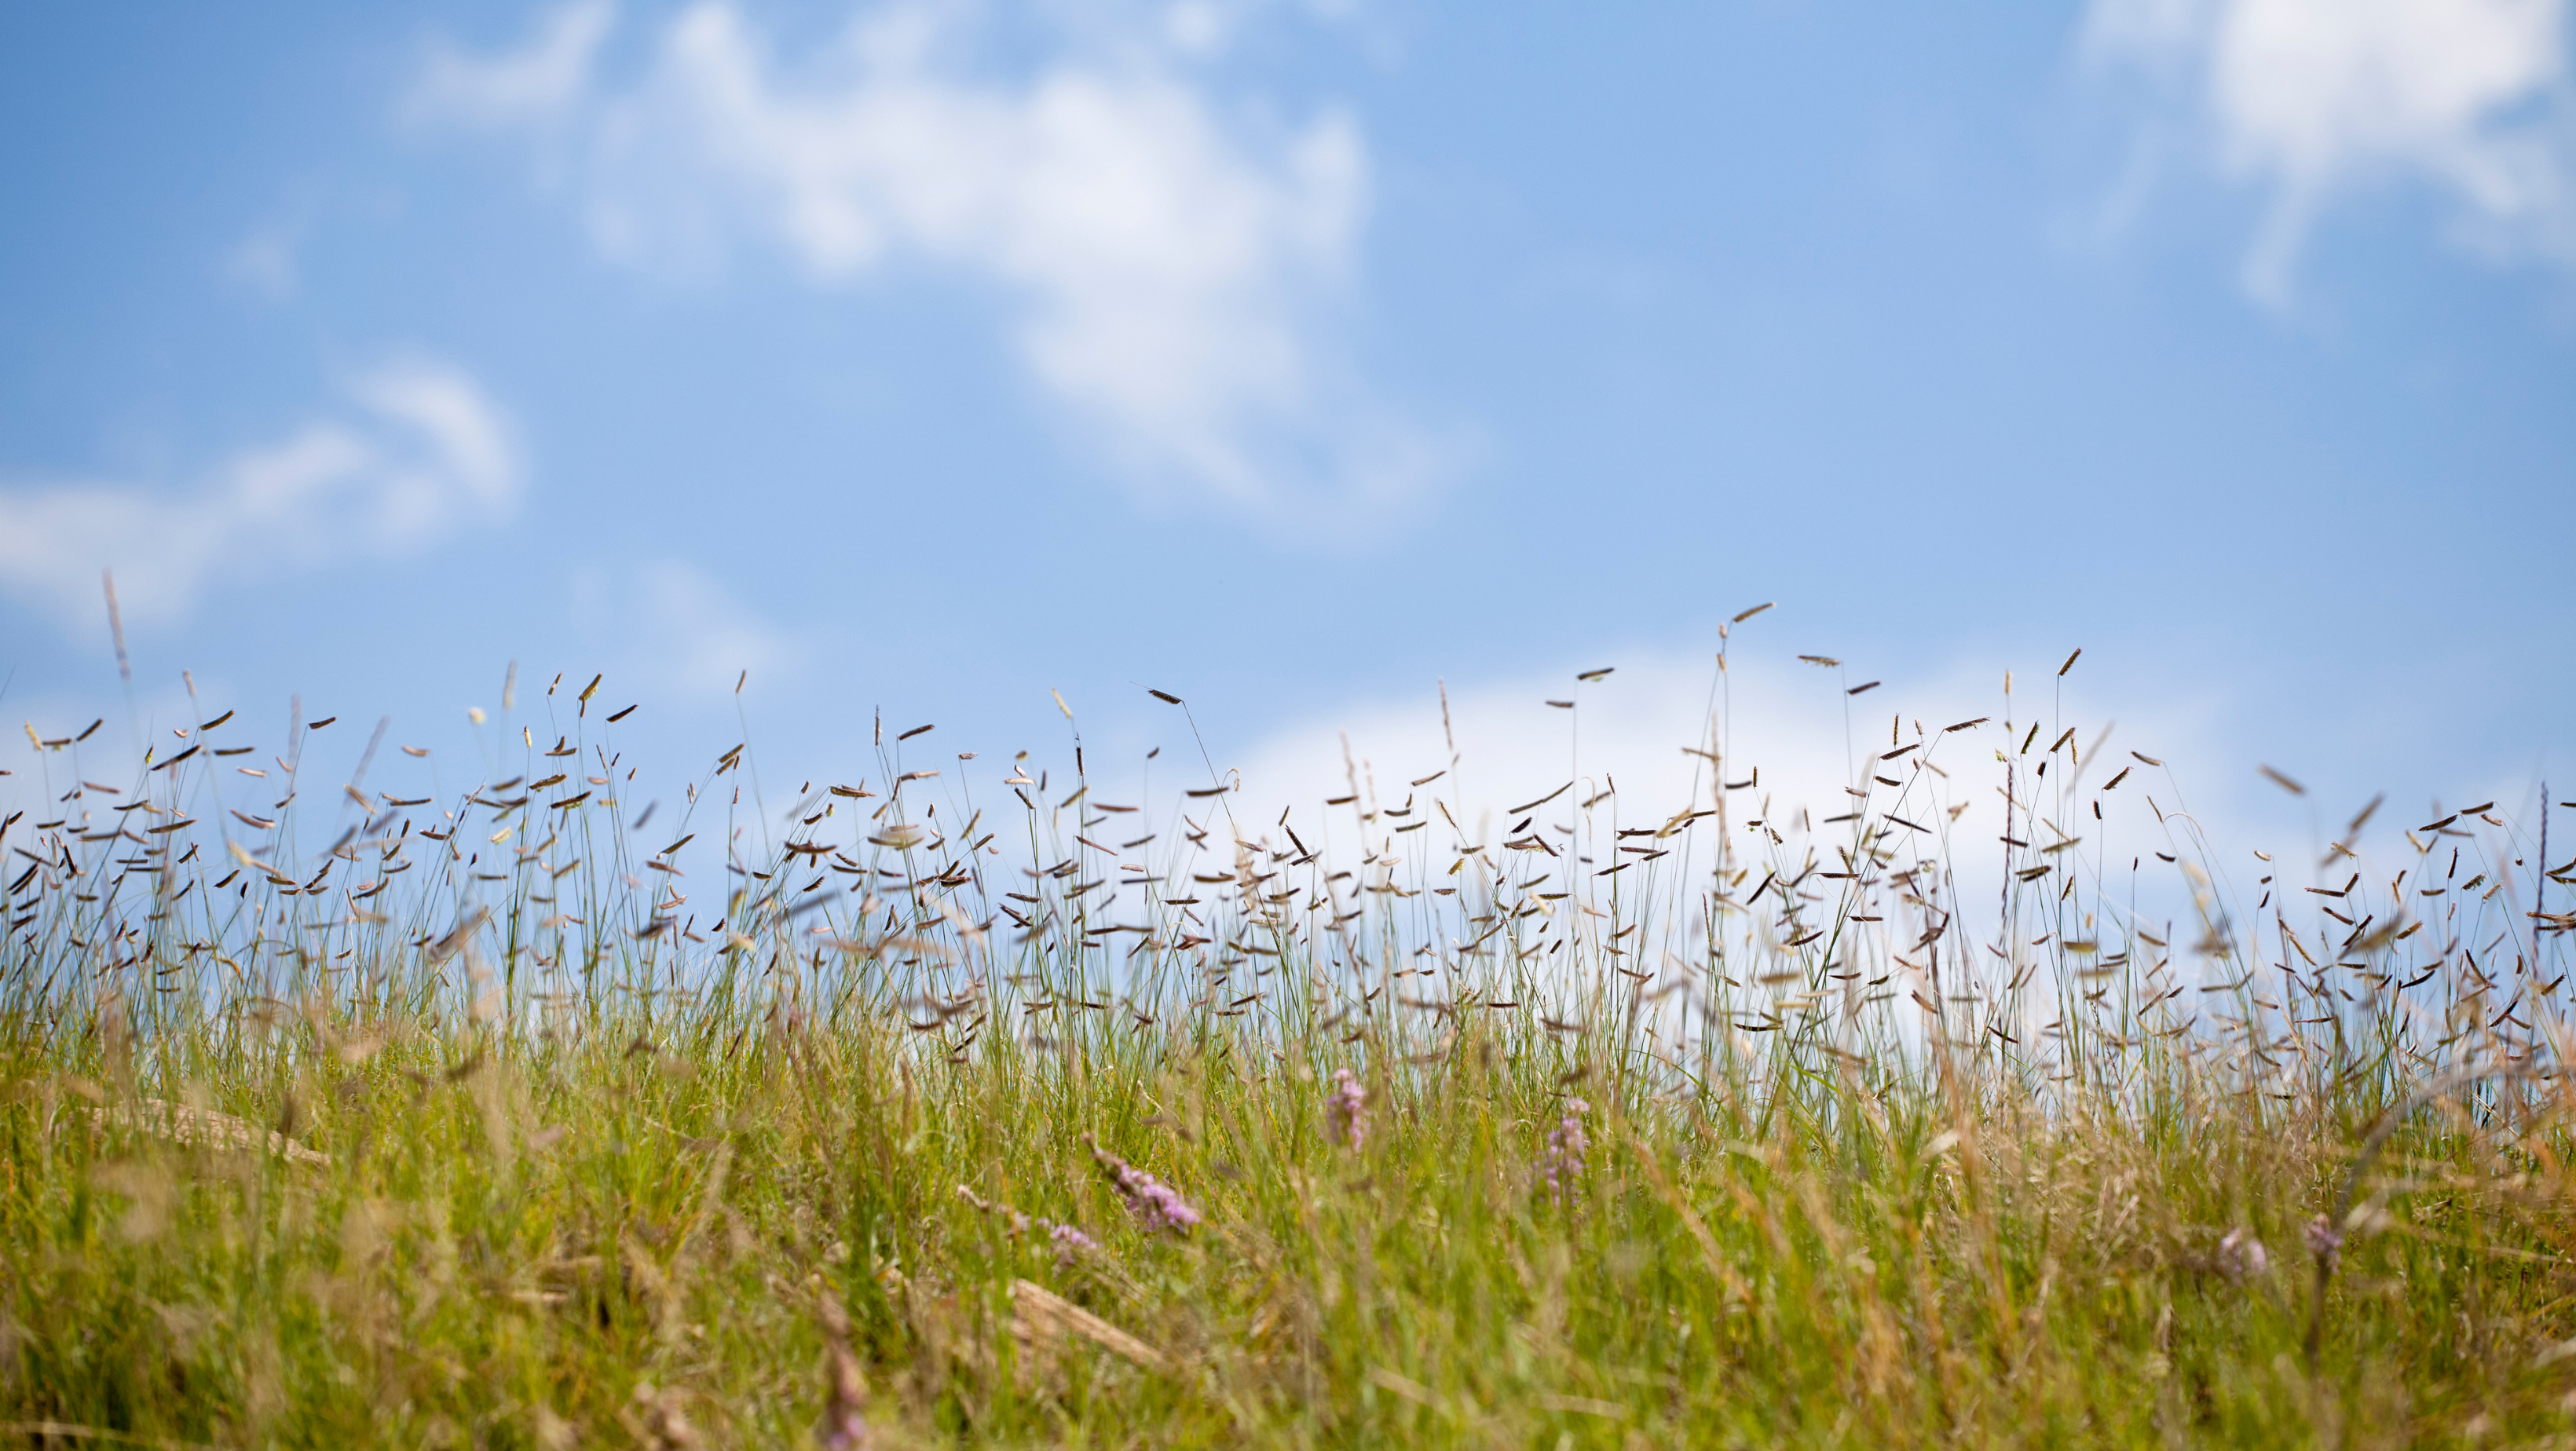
{"type": "Point", "coordinates": [2314, 99]}
{"type": "Point", "coordinates": [420, 452]}
{"type": "Point", "coordinates": [1171, 269]}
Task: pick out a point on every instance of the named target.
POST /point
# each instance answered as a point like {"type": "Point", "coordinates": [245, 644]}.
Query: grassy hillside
{"type": "Point", "coordinates": [504, 1122]}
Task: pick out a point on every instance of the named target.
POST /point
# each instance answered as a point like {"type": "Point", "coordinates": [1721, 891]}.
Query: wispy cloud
{"type": "Point", "coordinates": [2317, 98]}
{"type": "Point", "coordinates": [677, 627]}
{"type": "Point", "coordinates": [1174, 269]}
{"type": "Point", "coordinates": [538, 83]}
{"type": "Point", "coordinates": [421, 452]}
{"type": "Point", "coordinates": [265, 261]}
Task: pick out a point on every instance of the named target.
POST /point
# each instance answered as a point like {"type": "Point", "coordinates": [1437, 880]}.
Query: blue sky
{"type": "Point", "coordinates": [929, 358]}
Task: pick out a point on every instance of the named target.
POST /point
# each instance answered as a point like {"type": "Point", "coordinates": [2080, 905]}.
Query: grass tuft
{"type": "Point", "coordinates": [492, 1125]}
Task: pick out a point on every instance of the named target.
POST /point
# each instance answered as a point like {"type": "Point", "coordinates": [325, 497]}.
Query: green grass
{"type": "Point", "coordinates": [549, 1161]}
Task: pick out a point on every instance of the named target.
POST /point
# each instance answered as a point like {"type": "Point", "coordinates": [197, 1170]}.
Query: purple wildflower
{"type": "Point", "coordinates": [845, 1423]}
{"type": "Point", "coordinates": [1347, 1109]}
{"type": "Point", "coordinates": [1562, 1164]}
{"type": "Point", "coordinates": [2325, 1242]}
{"type": "Point", "coordinates": [2242, 1257]}
{"type": "Point", "coordinates": [1157, 1204]}
{"type": "Point", "coordinates": [1070, 1243]}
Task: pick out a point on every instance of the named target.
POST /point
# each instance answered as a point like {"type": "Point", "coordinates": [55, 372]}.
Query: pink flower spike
{"type": "Point", "coordinates": [1070, 1243]}
{"type": "Point", "coordinates": [1347, 1110]}
{"type": "Point", "coordinates": [1155, 1204]}
{"type": "Point", "coordinates": [1562, 1164]}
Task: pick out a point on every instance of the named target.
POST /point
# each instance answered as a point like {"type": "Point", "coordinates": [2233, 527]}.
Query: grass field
{"type": "Point", "coordinates": [505, 1121]}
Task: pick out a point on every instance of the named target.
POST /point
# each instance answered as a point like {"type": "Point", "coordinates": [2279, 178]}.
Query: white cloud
{"type": "Point", "coordinates": [423, 452]}
{"type": "Point", "coordinates": [1791, 722]}
{"type": "Point", "coordinates": [1172, 268]}
{"type": "Point", "coordinates": [2315, 98]}
{"type": "Point", "coordinates": [535, 84]}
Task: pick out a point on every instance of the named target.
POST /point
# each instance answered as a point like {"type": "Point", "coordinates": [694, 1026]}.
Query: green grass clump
{"type": "Point", "coordinates": [485, 1140]}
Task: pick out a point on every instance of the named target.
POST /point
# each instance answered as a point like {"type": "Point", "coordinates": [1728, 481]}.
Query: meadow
{"type": "Point", "coordinates": [958, 1103]}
